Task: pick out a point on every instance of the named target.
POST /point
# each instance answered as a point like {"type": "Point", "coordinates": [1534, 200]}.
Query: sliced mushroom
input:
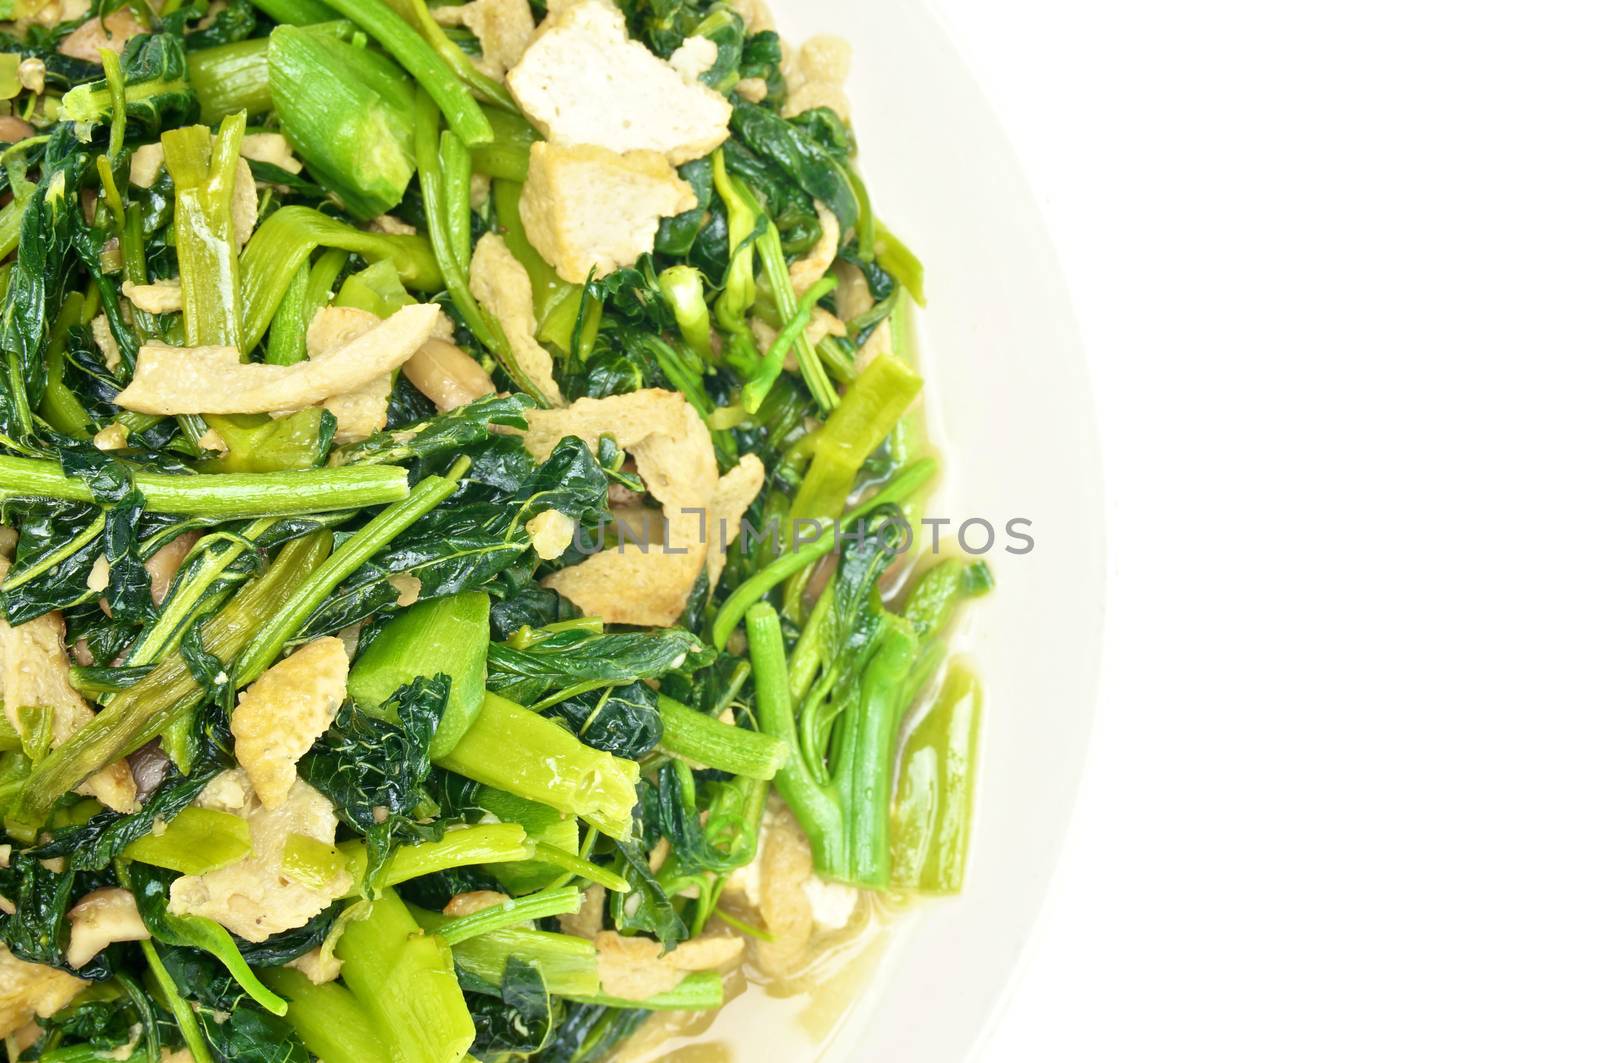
{"type": "Point", "coordinates": [100, 918]}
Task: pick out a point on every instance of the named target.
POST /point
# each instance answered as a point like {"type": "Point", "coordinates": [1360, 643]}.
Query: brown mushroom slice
{"type": "Point", "coordinates": [100, 918]}
{"type": "Point", "coordinates": [447, 375]}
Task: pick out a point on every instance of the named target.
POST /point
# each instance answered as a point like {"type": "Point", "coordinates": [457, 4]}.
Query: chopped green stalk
{"type": "Point", "coordinates": [684, 288]}
{"type": "Point", "coordinates": [199, 579]}
{"type": "Point", "coordinates": [314, 864]}
{"type": "Point", "coordinates": [327, 1018]}
{"type": "Point", "coordinates": [376, 289]}
{"type": "Point", "coordinates": [864, 419]}
{"type": "Point", "coordinates": [118, 87]}
{"type": "Point", "coordinates": [812, 644]}
{"type": "Point", "coordinates": [547, 857]}
{"type": "Point", "coordinates": [405, 981]}
{"type": "Point", "coordinates": [680, 374]}
{"type": "Point", "coordinates": [229, 78]}
{"type": "Point", "coordinates": [550, 849]}
{"type": "Point", "coordinates": [286, 343]}
{"type": "Point", "coordinates": [506, 157]}
{"type": "Point", "coordinates": [485, 86]}
{"type": "Point", "coordinates": [796, 314]}
{"type": "Point", "coordinates": [324, 274]}
{"type": "Point", "coordinates": [287, 239]}
{"type": "Point", "coordinates": [866, 222]}
{"type": "Point", "coordinates": [221, 496]}
{"type": "Point", "coordinates": [899, 262]}
{"type": "Point", "coordinates": [485, 843]}
{"type": "Point", "coordinates": [455, 165]}
{"type": "Point", "coordinates": [59, 406]}
{"type": "Point", "coordinates": [134, 716]}
{"type": "Point", "coordinates": [134, 267]}
{"type": "Point", "coordinates": [813, 805]}
{"type": "Point", "coordinates": [182, 1011]}
{"type": "Point", "coordinates": [436, 78]}
{"type": "Point", "coordinates": [709, 742]}
{"type": "Point", "coordinates": [448, 635]}
{"type": "Point", "coordinates": [530, 756]}
{"type": "Point", "coordinates": [562, 901]}
{"type": "Point", "coordinates": [905, 483]}
{"type": "Point", "coordinates": [545, 825]}
{"type": "Point", "coordinates": [352, 553]}
{"type": "Point", "coordinates": [195, 841]}
{"type": "Point", "coordinates": [940, 589]}
{"type": "Point", "coordinates": [931, 824]}
{"type": "Point", "coordinates": [566, 963]}
{"type": "Point", "coordinates": [258, 443]}
{"type": "Point", "coordinates": [699, 991]}
{"type": "Point", "coordinates": [739, 283]}
{"type": "Point", "coordinates": [866, 768]}
{"type": "Point", "coordinates": [445, 201]}
{"type": "Point", "coordinates": [347, 111]}
{"type": "Point", "coordinates": [203, 175]}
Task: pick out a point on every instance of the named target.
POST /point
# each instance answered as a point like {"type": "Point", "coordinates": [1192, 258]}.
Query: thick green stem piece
{"type": "Point", "coordinates": [868, 756]}
{"type": "Point", "coordinates": [814, 806]}
{"type": "Point", "coordinates": [555, 302]}
{"type": "Point", "coordinates": [203, 171]}
{"type": "Point", "coordinates": [518, 751]}
{"type": "Point", "coordinates": [707, 741]}
{"type": "Point", "coordinates": [443, 175]}
{"type": "Point", "coordinates": [295, 12]}
{"type": "Point", "coordinates": [870, 410]}
{"type": "Point", "coordinates": [435, 77]}
{"type": "Point", "coordinates": [229, 78]}
{"type": "Point", "coordinates": [329, 1019]}
{"type": "Point", "coordinates": [405, 981]}
{"type": "Point", "coordinates": [287, 238]}
{"type": "Point", "coordinates": [226, 496]}
{"type": "Point", "coordinates": [931, 822]}
{"type": "Point", "coordinates": [699, 991]}
{"type": "Point", "coordinates": [484, 843]}
{"type": "Point", "coordinates": [562, 901]}
{"type": "Point", "coordinates": [448, 635]}
{"type": "Point", "coordinates": [197, 840]}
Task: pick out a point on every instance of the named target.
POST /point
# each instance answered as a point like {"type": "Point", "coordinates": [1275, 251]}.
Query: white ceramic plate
{"type": "Point", "coordinates": [1010, 406]}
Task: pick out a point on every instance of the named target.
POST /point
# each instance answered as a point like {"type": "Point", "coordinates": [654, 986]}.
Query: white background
{"type": "Point", "coordinates": [1337, 270]}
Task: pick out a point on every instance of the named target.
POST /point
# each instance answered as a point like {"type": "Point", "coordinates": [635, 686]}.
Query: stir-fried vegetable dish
{"type": "Point", "coordinates": [458, 471]}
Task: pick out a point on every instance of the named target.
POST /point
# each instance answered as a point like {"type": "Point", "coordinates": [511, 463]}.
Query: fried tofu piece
{"type": "Point", "coordinates": [588, 207]}
{"type": "Point", "coordinates": [585, 81]}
